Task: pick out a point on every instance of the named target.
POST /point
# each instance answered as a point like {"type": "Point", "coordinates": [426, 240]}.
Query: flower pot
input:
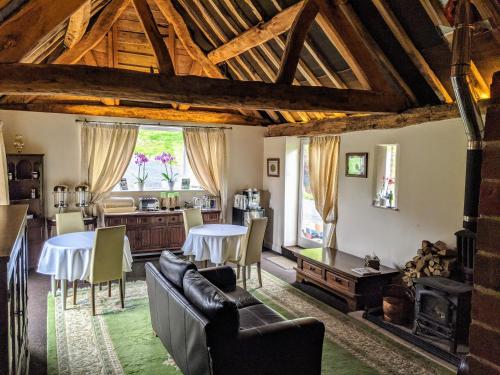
{"type": "Point", "coordinates": [171, 185]}
{"type": "Point", "coordinates": [140, 185]}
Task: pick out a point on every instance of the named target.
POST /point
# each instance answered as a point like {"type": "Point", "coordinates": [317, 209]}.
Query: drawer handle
{"type": "Point", "coordinates": [312, 268]}
{"type": "Point", "coordinates": [337, 280]}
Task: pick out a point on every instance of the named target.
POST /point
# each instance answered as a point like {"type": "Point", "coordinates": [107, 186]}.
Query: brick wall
{"type": "Point", "coordinates": [485, 328]}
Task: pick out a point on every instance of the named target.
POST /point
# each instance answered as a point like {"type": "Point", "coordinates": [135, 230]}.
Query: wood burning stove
{"type": "Point", "coordinates": [442, 309]}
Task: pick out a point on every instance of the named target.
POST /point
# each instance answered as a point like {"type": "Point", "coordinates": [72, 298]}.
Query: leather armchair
{"type": "Point", "coordinates": [211, 326]}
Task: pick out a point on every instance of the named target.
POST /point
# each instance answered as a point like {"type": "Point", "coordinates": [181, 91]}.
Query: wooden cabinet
{"type": "Point", "coordinates": [14, 355]}
{"type": "Point", "coordinates": [155, 231]}
{"type": "Point", "coordinates": [26, 177]}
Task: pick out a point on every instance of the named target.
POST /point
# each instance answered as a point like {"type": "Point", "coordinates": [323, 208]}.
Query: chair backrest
{"type": "Point", "coordinates": [251, 245]}
{"type": "Point", "coordinates": [192, 217]}
{"type": "Point", "coordinates": [69, 222]}
{"type": "Point", "coordinates": [106, 262]}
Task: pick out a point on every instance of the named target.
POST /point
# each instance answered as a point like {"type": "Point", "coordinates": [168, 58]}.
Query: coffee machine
{"type": "Point", "coordinates": [247, 206]}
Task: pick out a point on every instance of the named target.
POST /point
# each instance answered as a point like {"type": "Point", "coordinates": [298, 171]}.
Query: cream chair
{"type": "Point", "coordinates": [251, 249]}
{"type": "Point", "coordinates": [192, 217]}
{"type": "Point", "coordinates": [69, 222]}
{"type": "Point", "coordinates": [106, 262]}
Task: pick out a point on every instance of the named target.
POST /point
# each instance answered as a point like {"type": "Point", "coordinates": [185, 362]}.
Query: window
{"type": "Point", "coordinates": [152, 142]}
{"type": "Point", "coordinates": [310, 223]}
{"type": "Point", "coordinates": [385, 194]}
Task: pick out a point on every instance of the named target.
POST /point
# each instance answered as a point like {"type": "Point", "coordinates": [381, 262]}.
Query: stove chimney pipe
{"type": "Point", "coordinates": [469, 110]}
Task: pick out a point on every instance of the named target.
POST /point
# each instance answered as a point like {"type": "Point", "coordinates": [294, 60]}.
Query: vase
{"type": "Point", "coordinates": [140, 185]}
{"type": "Point", "coordinates": [171, 185]}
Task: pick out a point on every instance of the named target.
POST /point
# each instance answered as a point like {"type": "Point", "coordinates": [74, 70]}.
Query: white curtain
{"type": "Point", "coordinates": [323, 175]}
{"type": "Point", "coordinates": [4, 180]}
{"type": "Point", "coordinates": [106, 151]}
{"type": "Point", "coordinates": [206, 152]}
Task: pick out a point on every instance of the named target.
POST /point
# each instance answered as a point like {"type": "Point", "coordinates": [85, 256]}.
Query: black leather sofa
{"type": "Point", "coordinates": [211, 326]}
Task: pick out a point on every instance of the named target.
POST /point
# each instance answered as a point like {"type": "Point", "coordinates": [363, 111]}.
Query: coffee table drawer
{"type": "Point", "coordinates": [310, 268]}
{"type": "Point", "coordinates": [337, 282]}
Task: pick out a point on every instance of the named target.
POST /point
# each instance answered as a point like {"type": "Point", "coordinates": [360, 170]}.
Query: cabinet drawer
{"type": "Point", "coordinates": [143, 220]}
{"type": "Point", "coordinates": [337, 281]}
{"type": "Point", "coordinates": [312, 269]}
{"type": "Point", "coordinates": [175, 219]}
{"type": "Point", "coordinates": [155, 220]}
{"type": "Point", "coordinates": [131, 220]}
{"type": "Point", "coordinates": [112, 221]}
{"type": "Point", "coordinates": [212, 217]}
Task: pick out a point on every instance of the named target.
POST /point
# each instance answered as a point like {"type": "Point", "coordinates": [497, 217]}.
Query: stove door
{"type": "Point", "coordinates": [435, 307]}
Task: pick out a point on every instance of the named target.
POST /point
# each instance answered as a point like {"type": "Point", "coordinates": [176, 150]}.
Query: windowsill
{"type": "Point", "coordinates": [158, 191]}
{"type": "Point", "coordinates": [386, 208]}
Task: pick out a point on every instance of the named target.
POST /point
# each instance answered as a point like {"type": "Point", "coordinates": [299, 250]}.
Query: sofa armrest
{"type": "Point", "coordinates": [222, 277]}
{"type": "Point", "coordinates": [287, 347]}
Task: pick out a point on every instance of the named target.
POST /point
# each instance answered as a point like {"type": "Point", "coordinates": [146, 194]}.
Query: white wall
{"type": "Point", "coordinates": [431, 175]}
{"type": "Point", "coordinates": [57, 136]}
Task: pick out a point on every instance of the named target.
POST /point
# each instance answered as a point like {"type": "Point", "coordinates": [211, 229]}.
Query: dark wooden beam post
{"type": "Point", "coordinates": [295, 41]}
{"type": "Point", "coordinates": [148, 22]}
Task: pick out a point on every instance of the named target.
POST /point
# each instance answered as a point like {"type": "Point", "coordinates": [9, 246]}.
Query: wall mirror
{"type": "Point", "coordinates": [385, 193]}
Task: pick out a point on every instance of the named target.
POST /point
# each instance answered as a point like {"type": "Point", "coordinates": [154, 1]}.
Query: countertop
{"type": "Point", "coordinates": [11, 223]}
{"type": "Point", "coordinates": [155, 213]}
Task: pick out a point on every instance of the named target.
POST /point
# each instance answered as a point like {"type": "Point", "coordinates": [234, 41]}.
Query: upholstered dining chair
{"type": "Point", "coordinates": [251, 249]}
{"type": "Point", "coordinates": [106, 263]}
{"type": "Point", "coordinates": [192, 217]}
{"type": "Point", "coordinates": [69, 222]}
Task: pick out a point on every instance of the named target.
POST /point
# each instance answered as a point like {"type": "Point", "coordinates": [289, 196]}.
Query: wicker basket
{"type": "Point", "coordinates": [398, 304]}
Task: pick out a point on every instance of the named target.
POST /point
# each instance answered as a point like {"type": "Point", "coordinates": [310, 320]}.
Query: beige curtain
{"type": "Point", "coordinates": [106, 151]}
{"type": "Point", "coordinates": [4, 181]}
{"type": "Point", "coordinates": [323, 175]}
{"type": "Point", "coordinates": [206, 153]}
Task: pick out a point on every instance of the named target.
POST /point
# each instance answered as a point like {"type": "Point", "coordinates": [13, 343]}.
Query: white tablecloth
{"type": "Point", "coordinates": [67, 257]}
{"type": "Point", "coordinates": [215, 242]}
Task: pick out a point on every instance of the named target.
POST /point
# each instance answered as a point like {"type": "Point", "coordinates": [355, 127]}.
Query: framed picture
{"type": "Point", "coordinates": [273, 167]}
{"type": "Point", "coordinates": [356, 164]}
{"type": "Point", "coordinates": [123, 184]}
{"type": "Point", "coordinates": [185, 183]}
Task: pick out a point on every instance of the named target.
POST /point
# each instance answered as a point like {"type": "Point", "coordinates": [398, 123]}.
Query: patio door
{"type": "Point", "coordinates": [310, 225]}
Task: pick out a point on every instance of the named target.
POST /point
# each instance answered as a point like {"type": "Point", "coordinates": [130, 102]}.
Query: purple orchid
{"type": "Point", "coordinates": [140, 160]}
{"type": "Point", "coordinates": [167, 159]}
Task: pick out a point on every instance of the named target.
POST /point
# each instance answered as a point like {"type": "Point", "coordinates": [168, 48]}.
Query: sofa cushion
{"type": "Point", "coordinates": [241, 297]}
{"type": "Point", "coordinates": [174, 268]}
{"type": "Point", "coordinates": [211, 301]}
{"type": "Point", "coordinates": [258, 315]}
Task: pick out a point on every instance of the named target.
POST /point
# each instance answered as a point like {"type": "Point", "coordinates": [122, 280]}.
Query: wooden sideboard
{"type": "Point", "coordinates": [331, 269]}
{"type": "Point", "coordinates": [157, 230]}
{"type": "Point", "coordinates": [14, 355]}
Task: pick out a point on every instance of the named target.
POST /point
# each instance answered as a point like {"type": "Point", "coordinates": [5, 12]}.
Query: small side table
{"type": "Point", "coordinates": [90, 222]}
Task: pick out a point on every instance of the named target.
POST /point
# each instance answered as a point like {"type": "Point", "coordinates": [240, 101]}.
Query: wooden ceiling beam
{"type": "Point", "coordinates": [34, 21]}
{"type": "Point", "coordinates": [165, 64]}
{"type": "Point", "coordinates": [413, 53]}
{"type": "Point", "coordinates": [158, 114]}
{"type": "Point", "coordinates": [335, 22]}
{"type": "Point", "coordinates": [174, 19]}
{"type": "Point", "coordinates": [295, 41]}
{"type": "Point", "coordinates": [256, 35]}
{"type": "Point", "coordinates": [108, 16]}
{"type": "Point", "coordinates": [348, 124]}
{"type": "Point", "coordinates": [22, 79]}
{"type": "Point", "coordinates": [77, 25]}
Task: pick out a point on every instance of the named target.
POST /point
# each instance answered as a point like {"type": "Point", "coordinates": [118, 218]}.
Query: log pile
{"type": "Point", "coordinates": [432, 259]}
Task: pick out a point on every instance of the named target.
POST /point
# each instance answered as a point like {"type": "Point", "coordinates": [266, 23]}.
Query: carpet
{"type": "Point", "coordinates": [283, 262]}
{"type": "Point", "coordinates": [120, 341]}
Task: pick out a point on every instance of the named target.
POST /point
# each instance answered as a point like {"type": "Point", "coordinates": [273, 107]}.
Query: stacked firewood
{"type": "Point", "coordinates": [433, 259]}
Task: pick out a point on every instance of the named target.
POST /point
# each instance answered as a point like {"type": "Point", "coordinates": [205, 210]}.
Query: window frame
{"type": "Point", "coordinates": [301, 240]}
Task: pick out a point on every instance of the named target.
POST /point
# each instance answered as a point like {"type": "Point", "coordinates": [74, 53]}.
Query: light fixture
{"type": "Point", "coordinates": [82, 197]}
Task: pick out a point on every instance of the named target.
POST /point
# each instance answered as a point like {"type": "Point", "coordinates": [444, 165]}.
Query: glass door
{"type": "Point", "coordinates": [310, 225]}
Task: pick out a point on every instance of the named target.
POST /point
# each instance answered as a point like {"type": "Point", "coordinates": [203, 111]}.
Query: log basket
{"type": "Point", "coordinates": [398, 304]}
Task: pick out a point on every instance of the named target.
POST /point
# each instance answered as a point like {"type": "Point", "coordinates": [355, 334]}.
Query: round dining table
{"type": "Point", "coordinates": [67, 258]}
{"type": "Point", "coordinates": [215, 242]}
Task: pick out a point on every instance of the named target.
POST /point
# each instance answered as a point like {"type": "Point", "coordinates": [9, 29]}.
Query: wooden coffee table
{"type": "Point", "coordinates": [331, 269]}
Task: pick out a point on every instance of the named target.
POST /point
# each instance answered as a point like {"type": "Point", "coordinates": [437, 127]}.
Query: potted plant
{"type": "Point", "coordinates": [167, 159]}
{"type": "Point", "coordinates": [140, 160]}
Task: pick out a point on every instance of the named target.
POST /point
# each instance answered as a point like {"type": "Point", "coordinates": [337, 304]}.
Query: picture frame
{"type": "Point", "coordinates": [356, 164]}
{"type": "Point", "coordinates": [273, 167]}
{"type": "Point", "coordinates": [185, 183]}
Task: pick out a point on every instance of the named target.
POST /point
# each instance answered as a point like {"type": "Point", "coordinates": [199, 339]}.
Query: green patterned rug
{"type": "Point", "coordinates": [120, 341]}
